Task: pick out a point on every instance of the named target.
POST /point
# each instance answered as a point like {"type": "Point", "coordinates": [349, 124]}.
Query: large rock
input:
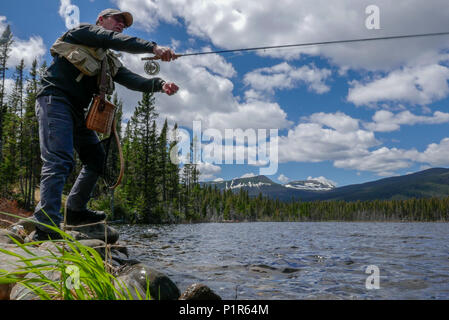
{"type": "Point", "coordinates": [118, 255]}
{"type": "Point", "coordinates": [198, 291]}
{"type": "Point", "coordinates": [74, 234]}
{"type": "Point", "coordinates": [10, 263]}
{"type": "Point", "coordinates": [28, 225]}
{"type": "Point", "coordinates": [136, 277]}
{"type": "Point", "coordinates": [97, 231]}
{"type": "Point", "coordinates": [20, 292]}
{"type": "Point", "coordinates": [6, 235]}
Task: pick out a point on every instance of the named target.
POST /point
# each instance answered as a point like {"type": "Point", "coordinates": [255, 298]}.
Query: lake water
{"type": "Point", "coordinates": [323, 260]}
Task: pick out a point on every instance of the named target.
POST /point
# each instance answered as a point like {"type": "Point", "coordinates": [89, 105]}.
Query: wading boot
{"type": "Point", "coordinates": [84, 217]}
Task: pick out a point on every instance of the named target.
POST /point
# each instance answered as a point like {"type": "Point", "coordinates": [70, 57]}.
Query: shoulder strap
{"type": "Point", "coordinates": [104, 78]}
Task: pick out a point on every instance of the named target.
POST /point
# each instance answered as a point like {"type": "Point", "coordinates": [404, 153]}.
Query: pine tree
{"type": "Point", "coordinates": [173, 165]}
{"type": "Point", "coordinates": [13, 137]}
{"type": "Point", "coordinates": [5, 47]}
{"type": "Point", "coordinates": [30, 141]}
{"type": "Point", "coordinates": [145, 150]}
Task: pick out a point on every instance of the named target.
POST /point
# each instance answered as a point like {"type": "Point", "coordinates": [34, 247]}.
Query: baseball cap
{"type": "Point", "coordinates": [112, 12]}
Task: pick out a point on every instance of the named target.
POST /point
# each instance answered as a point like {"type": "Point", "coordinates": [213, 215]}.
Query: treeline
{"type": "Point", "coordinates": [20, 163]}
{"type": "Point", "coordinates": [213, 205]}
{"type": "Point", "coordinates": [154, 189]}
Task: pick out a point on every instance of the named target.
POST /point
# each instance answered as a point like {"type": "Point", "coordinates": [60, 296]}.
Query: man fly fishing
{"type": "Point", "coordinates": [67, 90]}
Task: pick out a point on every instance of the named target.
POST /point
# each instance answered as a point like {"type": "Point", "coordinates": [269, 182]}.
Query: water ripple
{"type": "Point", "coordinates": [299, 260]}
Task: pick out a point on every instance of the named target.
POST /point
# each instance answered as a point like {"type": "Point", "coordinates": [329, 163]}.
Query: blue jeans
{"type": "Point", "coordinates": [61, 130]}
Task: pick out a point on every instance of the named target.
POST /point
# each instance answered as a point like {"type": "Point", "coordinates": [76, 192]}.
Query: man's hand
{"type": "Point", "coordinates": [170, 88]}
{"type": "Point", "coordinates": [164, 53]}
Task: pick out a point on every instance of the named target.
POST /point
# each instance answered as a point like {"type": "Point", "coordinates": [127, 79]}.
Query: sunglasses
{"type": "Point", "coordinates": [118, 18]}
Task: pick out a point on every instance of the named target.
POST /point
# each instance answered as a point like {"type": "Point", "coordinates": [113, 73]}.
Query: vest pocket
{"type": "Point", "coordinates": [84, 62]}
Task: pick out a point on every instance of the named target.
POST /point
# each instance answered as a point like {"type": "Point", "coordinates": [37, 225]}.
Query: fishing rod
{"type": "Point", "coordinates": [153, 68]}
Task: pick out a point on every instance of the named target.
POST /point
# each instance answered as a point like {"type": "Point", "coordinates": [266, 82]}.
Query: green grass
{"type": "Point", "coordinates": [95, 282]}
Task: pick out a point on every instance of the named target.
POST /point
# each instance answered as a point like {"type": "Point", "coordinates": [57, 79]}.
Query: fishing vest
{"type": "Point", "coordinates": [87, 60]}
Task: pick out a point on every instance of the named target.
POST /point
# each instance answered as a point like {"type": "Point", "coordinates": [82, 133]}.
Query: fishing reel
{"type": "Point", "coordinates": [152, 68]}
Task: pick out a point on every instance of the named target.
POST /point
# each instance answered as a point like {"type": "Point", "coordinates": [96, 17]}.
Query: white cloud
{"type": "Point", "coordinates": [3, 23]}
{"type": "Point", "coordinates": [205, 94]}
{"type": "Point", "coordinates": [386, 121]}
{"type": "Point", "coordinates": [28, 50]}
{"type": "Point", "coordinates": [9, 86]}
{"type": "Point", "coordinates": [337, 138]}
{"type": "Point", "coordinates": [250, 115]}
{"type": "Point", "coordinates": [248, 175]}
{"type": "Point", "coordinates": [284, 76]}
{"type": "Point", "coordinates": [383, 161]}
{"type": "Point", "coordinates": [238, 24]}
{"type": "Point", "coordinates": [208, 171]}
{"type": "Point", "coordinates": [323, 137]}
{"type": "Point", "coordinates": [219, 180]}
{"type": "Point", "coordinates": [416, 85]}
{"type": "Point", "coordinates": [436, 154]}
{"type": "Point", "coordinates": [338, 121]}
{"type": "Point", "coordinates": [283, 178]}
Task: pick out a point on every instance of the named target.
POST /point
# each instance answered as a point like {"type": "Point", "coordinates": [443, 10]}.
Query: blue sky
{"type": "Point", "coordinates": [348, 113]}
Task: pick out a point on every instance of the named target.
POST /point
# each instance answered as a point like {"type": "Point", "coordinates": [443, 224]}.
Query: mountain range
{"type": "Point", "coordinates": [423, 184]}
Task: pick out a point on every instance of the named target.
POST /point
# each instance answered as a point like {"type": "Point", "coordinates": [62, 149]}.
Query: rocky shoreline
{"type": "Point", "coordinates": [134, 274]}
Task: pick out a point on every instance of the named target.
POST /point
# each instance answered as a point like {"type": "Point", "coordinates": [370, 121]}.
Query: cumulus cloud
{"type": "Point", "coordinates": [383, 161]}
{"type": "Point", "coordinates": [208, 171]}
{"type": "Point", "coordinates": [415, 85]}
{"type": "Point", "coordinates": [323, 137]}
{"type": "Point", "coordinates": [3, 23]}
{"type": "Point", "coordinates": [9, 86]}
{"type": "Point", "coordinates": [338, 138]}
{"type": "Point", "coordinates": [285, 76]}
{"type": "Point", "coordinates": [248, 175]}
{"type": "Point", "coordinates": [436, 154]}
{"type": "Point", "coordinates": [338, 121]}
{"type": "Point", "coordinates": [237, 24]}
{"type": "Point", "coordinates": [28, 50]}
{"type": "Point", "coordinates": [206, 94]}
{"type": "Point", "coordinates": [411, 71]}
{"type": "Point", "coordinates": [386, 121]}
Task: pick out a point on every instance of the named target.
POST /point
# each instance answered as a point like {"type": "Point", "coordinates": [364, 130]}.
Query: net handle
{"type": "Point", "coordinates": [122, 161]}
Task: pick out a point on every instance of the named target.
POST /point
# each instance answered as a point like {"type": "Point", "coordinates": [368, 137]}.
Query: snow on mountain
{"type": "Point", "coordinates": [311, 185]}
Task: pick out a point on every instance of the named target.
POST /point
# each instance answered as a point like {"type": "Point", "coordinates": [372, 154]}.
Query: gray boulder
{"type": "Point", "coordinates": [135, 278]}
{"type": "Point", "coordinates": [74, 234]}
{"type": "Point", "coordinates": [5, 237]}
{"type": "Point", "coordinates": [28, 225]}
{"type": "Point", "coordinates": [198, 291]}
{"type": "Point", "coordinates": [10, 263]}
{"type": "Point", "coordinates": [20, 292]}
{"type": "Point", "coordinates": [97, 231]}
